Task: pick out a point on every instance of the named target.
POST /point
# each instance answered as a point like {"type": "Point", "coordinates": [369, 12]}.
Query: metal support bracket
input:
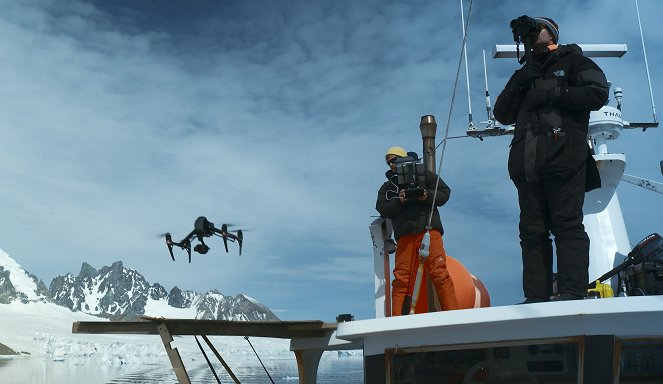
{"type": "Point", "coordinates": [173, 355]}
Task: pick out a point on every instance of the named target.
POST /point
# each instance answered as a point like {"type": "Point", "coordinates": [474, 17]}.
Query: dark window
{"type": "Point", "coordinates": [535, 363]}
{"type": "Point", "coordinates": [641, 362]}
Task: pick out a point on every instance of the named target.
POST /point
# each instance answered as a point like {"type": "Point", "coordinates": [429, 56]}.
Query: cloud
{"type": "Point", "coordinates": [124, 120]}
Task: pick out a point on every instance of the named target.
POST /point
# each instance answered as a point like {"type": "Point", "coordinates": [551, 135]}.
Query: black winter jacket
{"type": "Point", "coordinates": [550, 139]}
{"type": "Point", "coordinates": [411, 217]}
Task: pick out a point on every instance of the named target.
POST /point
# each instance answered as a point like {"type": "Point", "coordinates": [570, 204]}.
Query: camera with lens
{"type": "Point", "coordinates": [411, 174]}
{"type": "Point", "coordinates": [201, 248]}
{"type": "Point", "coordinates": [523, 27]}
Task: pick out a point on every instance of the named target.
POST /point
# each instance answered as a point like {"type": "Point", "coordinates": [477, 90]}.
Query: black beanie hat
{"type": "Point", "coordinates": [550, 25]}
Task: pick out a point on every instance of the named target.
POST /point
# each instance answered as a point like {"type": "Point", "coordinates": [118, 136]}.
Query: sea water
{"type": "Point", "coordinates": [91, 370]}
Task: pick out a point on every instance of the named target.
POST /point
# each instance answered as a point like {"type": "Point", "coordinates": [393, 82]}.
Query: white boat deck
{"type": "Point", "coordinates": [631, 317]}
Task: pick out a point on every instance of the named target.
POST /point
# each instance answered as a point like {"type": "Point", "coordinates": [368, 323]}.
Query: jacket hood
{"type": "Point", "coordinates": [570, 49]}
{"type": "Point", "coordinates": [561, 51]}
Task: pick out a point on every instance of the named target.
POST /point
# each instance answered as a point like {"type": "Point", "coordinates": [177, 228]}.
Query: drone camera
{"type": "Point", "coordinates": [411, 175]}
{"type": "Point", "coordinates": [201, 248]}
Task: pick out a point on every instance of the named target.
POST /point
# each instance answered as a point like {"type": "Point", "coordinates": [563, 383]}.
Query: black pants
{"type": "Point", "coordinates": [553, 206]}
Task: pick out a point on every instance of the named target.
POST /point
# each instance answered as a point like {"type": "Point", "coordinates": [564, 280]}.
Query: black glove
{"type": "Point", "coordinates": [530, 71]}
{"type": "Point", "coordinates": [537, 97]}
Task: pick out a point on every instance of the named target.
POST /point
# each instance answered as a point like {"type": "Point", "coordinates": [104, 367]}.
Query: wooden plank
{"type": "Point", "coordinates": [276, 329]}
{"type": "Point", "coordinates": [123, 327]}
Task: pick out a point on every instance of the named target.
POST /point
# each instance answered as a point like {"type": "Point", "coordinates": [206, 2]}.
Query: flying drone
{"type": "Point", "coordinates": [204, 228]}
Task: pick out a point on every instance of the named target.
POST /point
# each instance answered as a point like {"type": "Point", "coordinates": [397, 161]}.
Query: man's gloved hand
{"type": "Point", "coordinates": [538, 97]}
{"type": "Point", "coordinates": [530, 71]}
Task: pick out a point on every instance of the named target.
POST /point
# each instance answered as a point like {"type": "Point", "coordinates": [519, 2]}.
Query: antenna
{"type": "Point", "coordinates": [467, 75]}
{"type": "Point", "coordinates": [644, 51]}
{"type": "Point", "coordinates": [618, 97]}
{"type": "Point", "coordinates": [491, 128]}
{"type": "Point", "coordinates": [485, 75]}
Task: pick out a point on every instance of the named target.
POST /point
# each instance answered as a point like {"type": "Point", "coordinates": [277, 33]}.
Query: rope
{"type": "Point", "coordinates": [263, 365]}
{"type": "Point", "coordinates": [452, 137]}
{"type": "Point", "coordinates": [223, 362]}
{"type": "Point", "coordinates": [453, 100]}
{"type": "Point", "coordinates": [207, 359]}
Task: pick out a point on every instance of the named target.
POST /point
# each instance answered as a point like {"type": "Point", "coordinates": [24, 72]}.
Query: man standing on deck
{"type": "Point", "coordinates": [550, 162]}
{"type": "Point", "coordinates": [409, 219]}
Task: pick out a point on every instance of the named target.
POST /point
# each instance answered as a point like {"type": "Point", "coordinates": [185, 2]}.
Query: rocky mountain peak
{"type": "Point", "coordinates": [17, 284]}
{"type": "Point", "coordinates": [87, 270]}
{"type": "Point", "coordinates": [121, 293]}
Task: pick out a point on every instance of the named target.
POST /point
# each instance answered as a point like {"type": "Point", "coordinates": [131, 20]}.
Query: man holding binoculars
{"type": "Point", "coordinates": [549, 100]}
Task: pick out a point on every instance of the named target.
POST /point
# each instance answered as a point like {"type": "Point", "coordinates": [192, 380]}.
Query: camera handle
{"type": "Point", "coordinates": [527, 46]}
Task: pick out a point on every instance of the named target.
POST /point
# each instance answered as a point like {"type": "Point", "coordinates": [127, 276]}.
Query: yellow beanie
{"type": "Point", "coordinates": [398, 151]}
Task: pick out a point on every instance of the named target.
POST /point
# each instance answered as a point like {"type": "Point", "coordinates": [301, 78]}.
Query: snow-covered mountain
{"type": "Point", "coordinates": [35, 331]}
{"type": "Point", "coordinates": [17, 284]}
{"type": "Point", "coordinates": [120, 293]}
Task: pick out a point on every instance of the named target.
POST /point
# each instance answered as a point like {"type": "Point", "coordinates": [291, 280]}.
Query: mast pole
{"type": "Point", "coordinates": [644, 51]}
{"type": "Point", "coordinates": [488, 106]}
{"type": "Point", "coordinates": [467, 75]}
{"type": "Point", "coordinates": [428, 129]}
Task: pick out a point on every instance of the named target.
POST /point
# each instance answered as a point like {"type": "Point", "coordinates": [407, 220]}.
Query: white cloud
{"type": "Point", "coordinates": [120, 122]}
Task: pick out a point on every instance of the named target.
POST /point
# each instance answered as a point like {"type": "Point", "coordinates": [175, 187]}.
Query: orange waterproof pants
{"type": "Point", "coordinates": [405, 271]}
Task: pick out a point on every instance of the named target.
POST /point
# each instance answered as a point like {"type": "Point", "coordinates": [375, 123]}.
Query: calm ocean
{"type": "Point", "coordinates": [33, 370]}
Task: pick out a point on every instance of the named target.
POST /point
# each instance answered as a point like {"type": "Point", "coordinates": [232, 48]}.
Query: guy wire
{"type": "Point", "coordinates": [451, 107]}
{"type": "Point", "coordinates": [260, 360]}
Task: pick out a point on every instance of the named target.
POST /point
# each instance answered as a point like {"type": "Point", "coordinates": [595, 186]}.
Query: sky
{"type": "Point", "coordinates": [123, 120]}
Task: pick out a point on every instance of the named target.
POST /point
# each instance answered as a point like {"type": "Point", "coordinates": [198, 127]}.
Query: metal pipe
{"type": "Point", "coordinates": [428, 128]}
{"type": "Point", "coordinates": [485, 76]}
{"type": "Point", "coordinates": [467, 73]}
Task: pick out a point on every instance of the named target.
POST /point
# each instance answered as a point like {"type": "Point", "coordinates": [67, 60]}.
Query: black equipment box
{"type": "Point", "coordinates": [646, 277]}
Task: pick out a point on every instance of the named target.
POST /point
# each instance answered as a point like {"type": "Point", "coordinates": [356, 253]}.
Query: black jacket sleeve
{"type": "Point", "coordinates": [589, 91]}
{"type": "Point", "coordinates": [508, 102]}
{"type": "Point", "coordinates": [443, 190]}
{"type": "Point", "coordinates": [388, 208]}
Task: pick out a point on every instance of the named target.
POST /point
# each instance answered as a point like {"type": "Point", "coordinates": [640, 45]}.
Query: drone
{"type": "Point", "coordinates": [204, 228]}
